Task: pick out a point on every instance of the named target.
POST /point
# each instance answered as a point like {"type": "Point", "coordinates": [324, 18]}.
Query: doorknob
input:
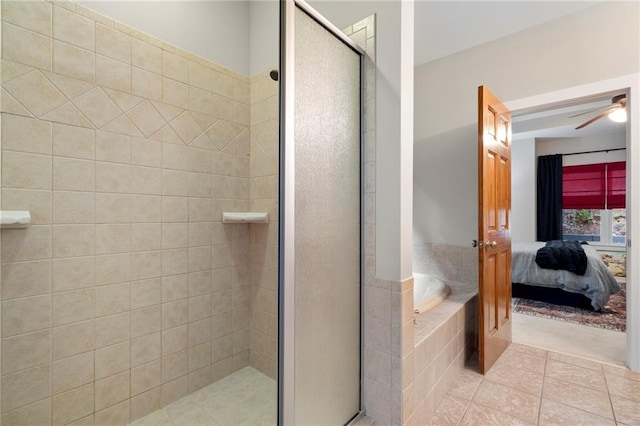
{"type": "Point", "coordinates": [476, 243]}
{"type": "Point", "coordinates": [490, 244]}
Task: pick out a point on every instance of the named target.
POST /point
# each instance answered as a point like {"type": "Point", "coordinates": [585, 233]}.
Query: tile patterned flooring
{"type": "Point", "coordinates": [532, 386]}
{"type": "Point", "coordinates": [526, 386]}
{"type": "Point", "coordinates": [246, 397]}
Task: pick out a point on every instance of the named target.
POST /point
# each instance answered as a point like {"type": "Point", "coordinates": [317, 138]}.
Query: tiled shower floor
{"type": "Point", "coordinates": [246, 397]}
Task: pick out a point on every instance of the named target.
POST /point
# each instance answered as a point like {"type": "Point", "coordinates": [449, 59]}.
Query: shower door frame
{"type": "Point", "coordinates": [286, 223]}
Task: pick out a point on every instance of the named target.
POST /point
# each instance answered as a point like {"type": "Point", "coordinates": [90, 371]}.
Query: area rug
{"type": "Point", "coordinates": [613, 317]}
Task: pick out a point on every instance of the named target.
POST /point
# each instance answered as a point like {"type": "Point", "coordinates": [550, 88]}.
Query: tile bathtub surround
{"type": "Point", "coordinates": [127, 292]}
{"type": "Point", "coordinates": [446, 262]}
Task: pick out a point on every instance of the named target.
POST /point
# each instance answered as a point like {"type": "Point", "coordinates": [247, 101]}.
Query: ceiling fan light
{"type": "Point", "coordinates": [619, 115]}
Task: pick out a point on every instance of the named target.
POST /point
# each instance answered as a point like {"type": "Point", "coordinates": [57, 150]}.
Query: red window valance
{"type": "Point", "coordinates": [594, 186]}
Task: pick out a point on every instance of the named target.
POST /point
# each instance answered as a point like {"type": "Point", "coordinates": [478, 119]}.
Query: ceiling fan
{"type": "Point", "coordinates": [616, 111]}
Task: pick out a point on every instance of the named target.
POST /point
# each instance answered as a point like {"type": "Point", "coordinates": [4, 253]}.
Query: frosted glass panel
{"type": "Point", "coordinates": [327, 226]}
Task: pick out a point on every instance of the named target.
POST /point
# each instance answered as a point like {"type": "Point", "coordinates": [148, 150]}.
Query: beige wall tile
{"type": "Point", "coordinates": [73, 28]}
{"type": "Point", "coordinates": [222, 84]}
{"type": "Point", "coordinates": [175, 235]}
{"type": "Point", "coordinates": [175, 183]}
{"type": "Point", "coordinates": [200, 76]}
{"type": "Point", "coordinates": [175, 366]}
{"type": "Point", "coordinates": [113, 74]}
{"type": "Point", "coordinates": [112, 329]}
{"type": "Point", "coordinates": [71, 306]}
{"type": "Point", "coordinates": [174, 287]}
{"type": "Point", "coordinates": [146, 84]}
{"type": "Point", "coordinates": [145, 349]}
{"type": "Point", "coordinates": [72, 339]}
{"type": "Point", "coordinates": [34, 16]}
{"type": "Point", "coordinates": [146, 208]}
{"type": "Point", "coordinates": [175, 157]}
{"type": "Point", "coordinates": [146, 293]}
{"type": "Point", "coordinates": [113, 147]}
{"type": "Point", "coordinates": [146, 152]}
{"type": "Point", "coordinates": [111, 360]}
{"type": "Point", "coordinates": [26, 134]}
{"type": "Point", "coordinates": [72, 207]}
{"type": "Point", "coordinates": [175, 209]}
{"type": "Point", "coordinates": [25, 315]}
{"type": "Point", "coordinates": [111, 390]}
{"type": "Point", "coordinates": [145, 377]}
{"type": "Point", "coordinates": [113, 178]}
{"type": "Point", "coordinates": [146, 236]}
{"type": "Point", "coordinates": [26, 279]}
{"type": "Point", "coordinates": [25, 387]}
{"type": "Point", "coordinates": [73, 141]}
{"type": "Point", "coordinates": [200, 210]}
{"type": "Point", "coordinates": [37, 413]}
{"type": "Point", "coordinates": [145, 403]}
{"type": "Point", "coordinates": [146, 180]}
{"type": "Point", "coordinates": [37, 202]}
{"type": "Point", "coordinates": [113, 43]}
{"type": "Point", "coordinates": [69, 373]}
{"type": "Point", "coordinates": [145, 321]}
{"type": "Point", "coordinates": [174, 390]}
{"type": "Point", "coordinates": [199, 258]}
{"type": "Point", "coordinates": [73, 240]}
{"type": "Point", "coordinates": [73, 175]}
{"type": "Point", "coordinates": [175, 339]}
{"type": "Point", "coordinates": [175, 93]}
{"type": "Point", "coordinates": [72, 273]}
{"type": "Point", "coordinates": [73, 61]}
{"type": "Point", "coordinates": [21, 170]}
{"type": "Point", "coordinates": [114, 208]}
{"type": "Point", "coordinates": [25, 351]}
{"type": "Point", "coordinates": [175, 67]}
{"type": "Point", "coordinates": [200, 331]}
{"type": "Point", "coordinates": [112, 299]}
{"type": "Point", "coordinates": [200, 234]}
{"type": "Point", "coordinates": [147, 56]}
{"type": "Point", "coordinates": [221, 325]}
{"type": "Point", "coordinates": [175, 261]}
{"type": "Point", "coordinates": [26, 47]}
{"type": "Point", "coordinates": [113, 238]}
{"type": "Point", "coordinates": [115, 415]}
{"type": "Point", "coordinates": [146, 264]}
{"type": "Point", "coordinates": [175, 313]}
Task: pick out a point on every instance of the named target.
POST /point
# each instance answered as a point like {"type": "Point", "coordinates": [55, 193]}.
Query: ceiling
{"type": "Point", "coordinates": [443, 28]}
{"type": "Point", "coordinates": [556, 122]}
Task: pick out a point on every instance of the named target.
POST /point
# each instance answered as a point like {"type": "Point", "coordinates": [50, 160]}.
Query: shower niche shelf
{"type": "Point", "coordinates": [245, 217]}
{"type": "Point", "coordinates": [14, 219]}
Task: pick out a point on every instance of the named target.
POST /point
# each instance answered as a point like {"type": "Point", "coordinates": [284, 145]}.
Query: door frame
{"type": "Point", "coordinates": [286, 211]}
{"type": "Point", "coordinates": [631, 84]}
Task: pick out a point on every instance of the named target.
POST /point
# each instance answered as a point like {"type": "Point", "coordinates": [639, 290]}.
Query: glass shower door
{"type": "Point", "coordinates": [323, 224]}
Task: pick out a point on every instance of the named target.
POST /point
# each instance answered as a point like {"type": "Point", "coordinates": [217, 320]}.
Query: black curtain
{"type": "Point", "coordinates": [549, 191]}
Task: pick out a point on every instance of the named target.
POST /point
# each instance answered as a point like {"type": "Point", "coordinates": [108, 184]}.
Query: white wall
{"type": "Point", "coordinates": [560, 54]}
{"type": "Point", "coordinates": [264, 35]}
{"type": "Point", "coordinates": [523, 190]}
{"type": "Point", "coordinates": [548, 146]}
{"type": "Point", "coordinates": [215, 30]}
{"type": "Point", "coordinates": [394, 121]}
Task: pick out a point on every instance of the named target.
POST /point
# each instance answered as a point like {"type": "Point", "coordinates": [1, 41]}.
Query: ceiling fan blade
{"type": "Point", "coordinates": [596, 118]}
{"type": "Point", "coordinates": [597, 109]}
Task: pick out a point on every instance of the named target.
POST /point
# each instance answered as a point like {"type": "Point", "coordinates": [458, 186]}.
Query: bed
{"type": "Point", "coordinates": [559, 286]}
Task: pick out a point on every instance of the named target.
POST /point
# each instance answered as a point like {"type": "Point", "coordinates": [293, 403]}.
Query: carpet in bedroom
{"type": "Point", "coordinates": [612, 318]}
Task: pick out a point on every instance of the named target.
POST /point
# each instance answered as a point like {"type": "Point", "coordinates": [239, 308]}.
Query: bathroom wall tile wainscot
{"type": "Point", "coordinates": [127, 292]}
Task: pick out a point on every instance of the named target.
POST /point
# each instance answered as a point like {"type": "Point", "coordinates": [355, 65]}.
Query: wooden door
{"type": "Point", "coordinates": [494, 207]}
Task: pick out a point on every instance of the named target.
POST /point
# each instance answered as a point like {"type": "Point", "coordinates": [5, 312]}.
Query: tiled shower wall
{"type": "Point", "coordinates": [446, 262]}
{"type": "Point", "coordinates": [126, 292]}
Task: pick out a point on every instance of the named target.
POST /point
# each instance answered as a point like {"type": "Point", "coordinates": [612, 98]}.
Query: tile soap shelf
{"type": "Point", "coordinates": [245, 217]}
{"type": "Point", "coordinates": [14, 219]}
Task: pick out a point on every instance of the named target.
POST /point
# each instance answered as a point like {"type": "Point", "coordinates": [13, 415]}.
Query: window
{"type": "Point", "coordinates": [593, 201]}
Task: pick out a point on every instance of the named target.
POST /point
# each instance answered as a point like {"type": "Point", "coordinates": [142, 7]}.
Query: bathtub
{"type": "Point", "coordinates": [427, 292]}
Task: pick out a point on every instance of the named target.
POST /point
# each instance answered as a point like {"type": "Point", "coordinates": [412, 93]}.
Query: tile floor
{"type": "Point", "coordinates": [246, 397]}
{"type": "Point", "coordinates": [532, 386]}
